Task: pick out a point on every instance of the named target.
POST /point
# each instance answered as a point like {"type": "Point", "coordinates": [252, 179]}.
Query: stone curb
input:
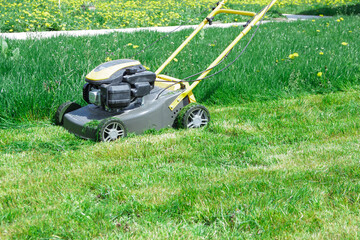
{"type": "Point", "coordinates": [76, 33]}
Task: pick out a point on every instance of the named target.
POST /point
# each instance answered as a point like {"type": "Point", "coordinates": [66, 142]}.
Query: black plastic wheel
{"type": "Point", "coordinates": [193, 116]}
{"type": "Point", "coordinates": [62, 110]}
{"type": "Point", "coordinates": [111, 129]}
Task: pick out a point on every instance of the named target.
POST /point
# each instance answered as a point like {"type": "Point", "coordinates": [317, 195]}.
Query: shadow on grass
{"type": "Point", "coordinates": [349, 9]}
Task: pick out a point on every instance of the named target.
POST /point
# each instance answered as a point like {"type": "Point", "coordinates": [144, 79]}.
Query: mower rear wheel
{"type": "Point", "coordinates": [62, 110]}
{"type": "Point", "coordinates": [111, 129]}
{"type": "Point", "coordinates": [194, 116]}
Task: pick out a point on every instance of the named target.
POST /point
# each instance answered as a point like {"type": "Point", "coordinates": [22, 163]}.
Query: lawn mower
{"type": "Point", "coordinates": [123, 97]}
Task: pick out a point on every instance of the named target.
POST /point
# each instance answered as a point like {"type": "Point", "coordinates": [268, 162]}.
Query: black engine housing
{"type": "Point", "coordinates": [122, 88]}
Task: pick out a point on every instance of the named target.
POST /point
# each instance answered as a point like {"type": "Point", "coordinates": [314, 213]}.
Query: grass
{"type": "Point", "coordinates": [284, 168]}
{"type": "Point", "coordinates": [279, 159]}
{"type": "Point", "coordinates": [39, 75]}
{"type": "Point", "coordinates": [48, 15]}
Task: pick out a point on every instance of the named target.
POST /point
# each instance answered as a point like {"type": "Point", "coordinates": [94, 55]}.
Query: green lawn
{"type": "Point", "coordinates": [54, 15]}
{"type": "Point", "coordinates": [277, 169]}
{"type": "Point", "coordinates": [280, 159]}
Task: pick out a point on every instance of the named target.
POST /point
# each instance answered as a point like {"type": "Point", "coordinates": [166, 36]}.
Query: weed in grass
{"type": "Point", "coordinates": [47, 15]}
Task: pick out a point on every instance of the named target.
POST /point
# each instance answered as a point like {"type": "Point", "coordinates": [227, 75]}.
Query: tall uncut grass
{"type": "Point", "coordinates": [49, 72]}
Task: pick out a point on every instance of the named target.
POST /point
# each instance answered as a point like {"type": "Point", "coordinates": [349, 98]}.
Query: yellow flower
{"type": "Point", "coordinates": [135, 46]}
{"type": "Point", "coordinates": [338, 20]}
{"type": "Point", "coordinates": [277, 61]}
{"type": "Point", "coordinates": [321, 15]}
{"type": "Point", "coordinates": [313, 20]}
{"type": "Point", "coordinates": [319, 74]}
{"type": "Point", "coordinates": [129, 44]}
{"type": "Point", "coordinates": [317, 30]}
{"type": "Point", "coordinates": [341, 19]}
{"type": "Point", "coordinates": [107, 59]}
{"type": "Point", "coordinates": [175, 60]}
{"type": "Point", "coordinates": [294, 55]}
{"type": "Point", "coordinates": [321, 53]}
{"type": "Point", "coordinates": [344, 43]}
{"type": "Point", "coordinates": [11, 30]}
{"type": "Point", "coordinates": [212, 45]}
{"type": "Point", "coordinates": [350, 31]}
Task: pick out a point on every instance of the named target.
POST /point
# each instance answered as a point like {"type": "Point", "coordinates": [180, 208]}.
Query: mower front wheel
{"type": "Point", "coordinates": [193, 116]}
{"type": "Point", "coordinates": [111, 129]}
{"type": "Point", "coordinates": [62, 110]}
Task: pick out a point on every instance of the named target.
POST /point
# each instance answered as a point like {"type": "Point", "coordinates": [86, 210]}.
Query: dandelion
{"type": "Point", "coordinates": [175, 60]}
{"type": "Point", "coordinates": [313, 20]}
{"type": "Point", "coordinates": [135, 46]}
{"type": "Point", "coordinates": [344, 43]}
{"type": "Point", "coordinates": [350, 31]}
{"type": "Point", "coordinates": [293, 55]}
{"type": "Point", "coordinates": [341, 19]}
{"type": "Point", "coordinates": [321, 15]}
{"type": "Point", "coordinates": [319, 74]}
{"type": "Point", "coordinates": [317, 30]}
{"type": "Point", "coordinates": [321, 53]}
{"type": "Point", "coordinates": [107, 59]}
{"type": "Point", "coordinates": [129, 44]}
{"type": "Point", "coordinates": [11, 30]}
{"type": "Point", "coordinates": [338, 20]}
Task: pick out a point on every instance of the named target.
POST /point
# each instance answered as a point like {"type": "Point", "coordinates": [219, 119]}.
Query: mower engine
{"type": "Point", "coordinates": [117, 84]}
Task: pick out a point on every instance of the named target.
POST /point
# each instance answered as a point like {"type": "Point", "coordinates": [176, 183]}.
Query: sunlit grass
{"type": "Point", "coordinates": [277, 169]}
{"type": "Point", "coordinates": [278, 160]}
{"type": "Point", "coordinates": [47, 15]}
{"type": "Point", "coordinates": [284, 60]}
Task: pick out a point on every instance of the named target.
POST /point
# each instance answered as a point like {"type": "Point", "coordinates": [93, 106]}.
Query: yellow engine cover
{"type": "Point", "coordinates": [111, 70]}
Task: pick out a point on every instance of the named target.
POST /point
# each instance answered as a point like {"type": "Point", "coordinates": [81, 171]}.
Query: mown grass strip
{"type": "Point", "coordinates": [284, 168]}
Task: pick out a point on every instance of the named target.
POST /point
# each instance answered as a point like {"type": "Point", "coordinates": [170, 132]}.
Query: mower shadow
{"type": "Point", "coordinates": [351, 9]}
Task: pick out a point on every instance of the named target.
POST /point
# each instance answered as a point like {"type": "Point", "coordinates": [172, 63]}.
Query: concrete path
{"type": "Point", "coordinates": [38, 35]}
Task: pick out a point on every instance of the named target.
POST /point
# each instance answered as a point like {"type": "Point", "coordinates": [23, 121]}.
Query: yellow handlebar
{"type": "Point", "coordinates": [217, 10]}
